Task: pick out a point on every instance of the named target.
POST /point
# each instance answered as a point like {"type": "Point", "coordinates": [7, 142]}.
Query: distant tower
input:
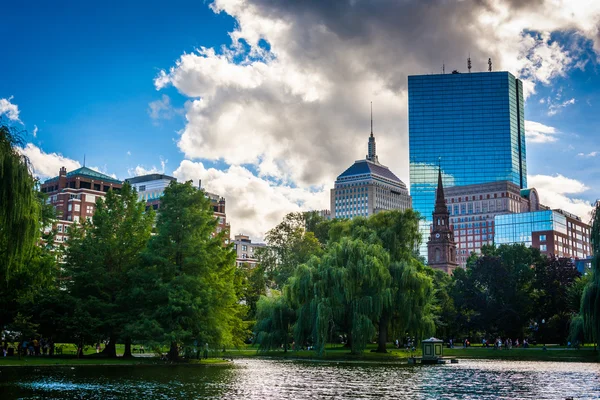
{"type": "Point", "coordinates": [441, 247]}
{"type": "Point", "coordinates": [469, 63]}
{"type": "Point", "coordinates": [489, 65]}
{"type": "Point", "coordinates": [372, 154]}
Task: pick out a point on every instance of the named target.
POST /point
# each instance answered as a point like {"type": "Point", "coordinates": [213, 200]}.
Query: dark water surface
{"type": "Point", "coordinates": [276, 379]}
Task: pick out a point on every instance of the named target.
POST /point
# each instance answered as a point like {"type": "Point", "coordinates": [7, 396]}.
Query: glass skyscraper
{"type": "Point", "coordinates": [472, 125]}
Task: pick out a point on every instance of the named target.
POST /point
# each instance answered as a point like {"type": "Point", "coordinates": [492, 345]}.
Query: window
{"type": "Point", "coordinates": [543, 247]}
{"type": "Point", "coordinates": [542, 238]}
{"type": "Point", "coordinates": [77, 207]}
{"type": "Point", "coordinates": [244, 247]}
{"type": "Point", "coordinates": [70, 207]}
{"type": "Point", "coordinates": [89, 210]}
{"type": "Point", "coordinates": [142, 188]}
{"type": "Point", "coordinates": [76, 218]}
{"type": "Point", "coordinates": [59, 228]}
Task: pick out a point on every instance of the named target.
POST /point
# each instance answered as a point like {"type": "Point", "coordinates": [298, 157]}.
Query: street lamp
{"type": "Point", "coordinates": [543, 334]}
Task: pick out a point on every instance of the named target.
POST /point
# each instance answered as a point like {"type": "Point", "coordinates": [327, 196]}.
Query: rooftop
{"type": "Point", "coordinates": [362, 167]}
{"type": "Point", "coordinates": [149, 177]}
{"type": "Point", "coordinates": [87, 172]}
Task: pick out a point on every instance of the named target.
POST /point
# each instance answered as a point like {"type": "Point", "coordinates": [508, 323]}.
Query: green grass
{"type": "Point", "coordinates": [72, 361]}
{"type": "Point", "coordinates": [333, 352]}
{"type": "Point", "coordinates": [337, 352]}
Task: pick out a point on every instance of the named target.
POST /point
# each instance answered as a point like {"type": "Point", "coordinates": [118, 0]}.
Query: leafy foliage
{"type": "Point", "coordinates": [20, 210]}
{"type": "Point", "coordinates": [590, 300]}
{"type": "Point", "coordinates": [193, 273]}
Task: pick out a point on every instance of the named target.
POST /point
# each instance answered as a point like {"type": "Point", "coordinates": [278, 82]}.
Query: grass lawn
{"type": "Point", "coordinates": [337, 352]}
{"type": "Point", "coordinates": [72, 361]}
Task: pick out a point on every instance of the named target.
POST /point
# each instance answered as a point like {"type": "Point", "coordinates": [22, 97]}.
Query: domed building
{"type": "Point", "coordinates": [368, 187]}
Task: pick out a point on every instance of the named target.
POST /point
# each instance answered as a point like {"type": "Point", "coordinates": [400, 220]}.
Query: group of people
{"type": "Point", "coordinates": [31, 347]}
{"type": "Point", "coordinates": [498, 343]}
{"type": "Point", "coordinates": [507, 343]}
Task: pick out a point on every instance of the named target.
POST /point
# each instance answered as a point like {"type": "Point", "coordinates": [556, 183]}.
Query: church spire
{"type": "Point", "coordinates": [372, 153]}
{"type": "Point", "coordinates": [440, 201]}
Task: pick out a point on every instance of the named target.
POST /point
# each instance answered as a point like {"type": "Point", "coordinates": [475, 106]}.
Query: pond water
{"type": "Point", "coordinates": [277, 379]}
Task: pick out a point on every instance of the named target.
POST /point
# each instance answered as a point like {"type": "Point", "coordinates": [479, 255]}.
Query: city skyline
{"type": "Point", "coordinates": [267, 115]}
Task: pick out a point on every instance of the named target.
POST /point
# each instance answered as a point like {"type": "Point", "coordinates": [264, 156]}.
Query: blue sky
{"type": "Point", "coordinates": [84, 75]}
{"type": "Point", "coordinates": [277, 103]}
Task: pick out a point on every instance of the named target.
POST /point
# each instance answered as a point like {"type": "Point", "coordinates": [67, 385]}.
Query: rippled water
{"type": "Point", "coordinates": [276, 379]}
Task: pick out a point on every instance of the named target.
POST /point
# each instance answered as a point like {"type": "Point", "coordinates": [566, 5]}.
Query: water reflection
{"type": "Point", "coordinates": [276, 379]}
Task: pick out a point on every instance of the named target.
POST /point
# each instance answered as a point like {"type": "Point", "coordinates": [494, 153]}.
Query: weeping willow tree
{"type": "Point", "coordinates": [344, 291]}
{"type": "Point", "coordinates": [590, 300]}
{"type": "Point", "coordinates": [19, 208]}
{"type": "Point", "coordinates": [274, 322]}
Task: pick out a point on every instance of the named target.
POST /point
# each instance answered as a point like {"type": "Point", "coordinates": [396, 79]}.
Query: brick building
{"type": "Point", "coordinates": [73, 195]}
{"type": "Point", "coordinates": [552, 231]}
{"type": "Point", "coordinates": [474, 207]}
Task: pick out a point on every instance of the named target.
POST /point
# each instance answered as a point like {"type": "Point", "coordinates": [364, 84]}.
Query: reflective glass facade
{"type": "Point", "coordinates": [518, 228]}
{"type": "Point", "coordinates": [475, 123]}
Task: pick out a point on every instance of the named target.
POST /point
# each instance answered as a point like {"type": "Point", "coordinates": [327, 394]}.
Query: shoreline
{"type": "Point", "coordinates": [393, 357]}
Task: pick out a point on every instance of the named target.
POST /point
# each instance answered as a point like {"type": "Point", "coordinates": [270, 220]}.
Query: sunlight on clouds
{"type": "Point", "coordinates": [556, 192]}
{"type": "Point", "coordinates": [536, 132]}
{"type": "Point", "coordinates": [298, 113]}
{"type": "Point", "coordinates": [254, 205]}
{"type": "Point", "coordinates": [9, 109]}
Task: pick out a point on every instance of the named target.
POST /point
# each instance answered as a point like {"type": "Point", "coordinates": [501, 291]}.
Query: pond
{"type": "Point", "coordinates": [277, 379]}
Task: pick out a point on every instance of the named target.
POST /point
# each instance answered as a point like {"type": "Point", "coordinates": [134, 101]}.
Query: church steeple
{"type": "Point", "coordinates": [372, 150]}
{"type": "Point", "coordinates": [441, 246]}
{"type": "Point", "coordinates": [440, 201]}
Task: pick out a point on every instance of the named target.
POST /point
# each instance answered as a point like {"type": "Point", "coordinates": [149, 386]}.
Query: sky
{"type": "Point", "coordinates": [267, 101]}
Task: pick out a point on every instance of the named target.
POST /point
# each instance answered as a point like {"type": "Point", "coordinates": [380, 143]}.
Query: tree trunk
{"type": "Point", "coordinates": [173, 353]}
{"type": "Point", "coordinates": [348, 341]}
{"type": "Point", "coordinates": [383, 333]}
{"type": "Point", "coordinates": [127, 353]}
{"type": "Point", "coordinates": [111, 348]}
{"type": "Point", "coordinates": [80, 349]}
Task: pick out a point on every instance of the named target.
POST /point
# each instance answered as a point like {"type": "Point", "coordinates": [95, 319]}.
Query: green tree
{"type": "Point", "coordinates": [553, 279]}
{"type": "Point", "coordinates": [195, 296]}
{"type": "Point", "coordinates": [274, 322]}
{"type": "Point", "coordinates": [99, 258]}
{"type": "Point", "coordinates": [590, 300]}
{"type": "Point", "coordinates": [20, 209]}
{"type": "Point", "coordinates": [496, 291]}
{"type": "Point", "coordinates": [289, 244]}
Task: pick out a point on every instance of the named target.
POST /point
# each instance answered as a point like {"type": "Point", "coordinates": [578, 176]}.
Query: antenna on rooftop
{"type": "Point", "coordinates": [443, 68]}
{"type": "Point", "coordinates": [489, 65]}
{"type": "Point", "coordinates": [84, 160]}
{"type": "Point", "coordinates": [371, 118]}
{"type": "Point", "coordinates": [469, 63]}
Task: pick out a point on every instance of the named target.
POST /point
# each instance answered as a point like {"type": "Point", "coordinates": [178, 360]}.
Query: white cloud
{"type": "Point", "coordinates": [254, 205]}
{"type": "Point", "coordinates": [47, 165]}
{"type": "Point", "coordinates": [9, 109]}
{"type": "Point", "coordinates": [298, 113]}
{"type": "Point", "coordinates": [590, 154]}
{"type": "Point", "coordinates": [162, 109]}
{"type": "Point", "coordinates": [141, 170]}
{"type": "Point", "coordinates": [536, 132]}
{"type": "Point", "coordinates": [554, 108]}
{"type": "Point", "coordinates": [35, 130]}
{"type": "Point", "coordinates": [556, 191]}
{"type": "Point", "coordinates": [128, 152]}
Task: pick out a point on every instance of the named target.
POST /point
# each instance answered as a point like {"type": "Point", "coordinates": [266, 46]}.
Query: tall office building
{"type": "Point", "coordinates": [368, 187]}
{"type": "Point", "coordinates": [475, 122]}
